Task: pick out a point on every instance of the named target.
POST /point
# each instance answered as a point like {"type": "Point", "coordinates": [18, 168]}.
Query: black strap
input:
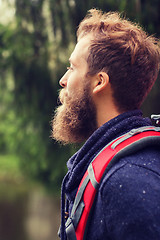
{"type": "Point", "coordinates": [79, 195]}
{"type": "Point", "coordinates": [70, 231]}
{"type": "Point", "coordinates": [134, 132]}
{"type": "Point", "coordinates": [92, 176]}
{"type": "Point", "coordinates": [76, 213]}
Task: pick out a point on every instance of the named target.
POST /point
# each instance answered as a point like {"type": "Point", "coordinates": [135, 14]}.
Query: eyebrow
{"type": "Point", "coordinates": [71, 61]}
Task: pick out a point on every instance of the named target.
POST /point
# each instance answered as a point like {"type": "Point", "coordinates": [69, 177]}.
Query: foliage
{"type": "Point", "coordinates": [9, 165]}
{"type": "Point", "coordinates": [34, 51]}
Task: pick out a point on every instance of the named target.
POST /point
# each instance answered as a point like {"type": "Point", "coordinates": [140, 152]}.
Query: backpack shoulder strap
{"type": "Point", "coordinates": [136, 139]}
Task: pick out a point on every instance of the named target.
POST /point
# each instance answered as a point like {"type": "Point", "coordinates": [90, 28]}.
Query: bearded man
{"type": "Point", "coordinates": [112, 69]}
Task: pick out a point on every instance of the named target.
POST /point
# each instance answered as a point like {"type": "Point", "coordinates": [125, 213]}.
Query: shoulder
{"type": "Point", "coordinates": [130, 194]}
{"type": "Point", "coordinates": [134, 173]}
{"type": "Point", "coordinates": [146, 161]}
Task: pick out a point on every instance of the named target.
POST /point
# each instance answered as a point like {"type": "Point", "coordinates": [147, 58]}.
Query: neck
{"type": "Point", "coordinates": [104, 116]}
{"type": "Point", "coordinates": [106, 112]}
{"type": "Point", "coordinates": [105, 105]}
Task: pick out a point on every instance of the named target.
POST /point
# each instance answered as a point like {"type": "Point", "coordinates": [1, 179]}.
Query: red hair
{"type": "Point", "coordinates": [125, 52]}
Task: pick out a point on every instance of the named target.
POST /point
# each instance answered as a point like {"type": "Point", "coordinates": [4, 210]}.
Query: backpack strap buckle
{"type": "Point", "coordinates": [156, 118]}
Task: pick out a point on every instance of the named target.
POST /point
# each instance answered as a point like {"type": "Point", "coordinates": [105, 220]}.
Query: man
{"type": "Point", "coordinates": [112, 69]}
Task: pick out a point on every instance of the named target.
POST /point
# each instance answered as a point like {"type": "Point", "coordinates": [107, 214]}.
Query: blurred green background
{"type": "Point", "coordinates": [36, 39]}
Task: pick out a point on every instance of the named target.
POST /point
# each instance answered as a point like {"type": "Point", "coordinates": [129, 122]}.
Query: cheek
{"type": "Point", "coordinates": [74, 86]}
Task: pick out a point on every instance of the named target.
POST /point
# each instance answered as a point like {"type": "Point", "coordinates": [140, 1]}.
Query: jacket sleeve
{"type": "Point", "coordinates": [131, 203]}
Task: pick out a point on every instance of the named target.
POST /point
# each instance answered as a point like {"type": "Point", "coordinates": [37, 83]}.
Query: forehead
{"type": "Point", "coordinates": [80, 51]}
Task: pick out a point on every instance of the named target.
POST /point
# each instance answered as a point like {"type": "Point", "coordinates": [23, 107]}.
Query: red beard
{"type": "Point", "coordinates": [75, 119]}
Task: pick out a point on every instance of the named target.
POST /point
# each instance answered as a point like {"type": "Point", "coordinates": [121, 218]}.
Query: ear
{"type": "Point", "coordinates": [101, 82]}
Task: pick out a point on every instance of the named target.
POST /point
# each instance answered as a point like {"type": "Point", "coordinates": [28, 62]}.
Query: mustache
{"type": "Point", "coordinates": [62, 97]}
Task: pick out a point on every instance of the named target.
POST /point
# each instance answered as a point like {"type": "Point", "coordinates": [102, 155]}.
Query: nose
{"type": "Point", "coordinates": [63, 81]}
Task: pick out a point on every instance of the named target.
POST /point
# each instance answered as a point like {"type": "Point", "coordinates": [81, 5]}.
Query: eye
{"type": "Point", "coordinates": [70, 68]}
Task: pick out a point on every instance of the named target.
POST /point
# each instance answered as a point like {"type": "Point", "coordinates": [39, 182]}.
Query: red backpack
{"type": "Point", "coordinates": [136, 139]}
